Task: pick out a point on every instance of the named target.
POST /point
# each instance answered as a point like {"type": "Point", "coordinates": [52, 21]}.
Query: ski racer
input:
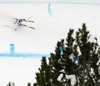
{"type": "Point", "coordinates": [18, 22]}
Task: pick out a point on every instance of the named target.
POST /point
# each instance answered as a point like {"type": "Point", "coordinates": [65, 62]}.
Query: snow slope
{"type": "Point", "coordinates": [49, 29]}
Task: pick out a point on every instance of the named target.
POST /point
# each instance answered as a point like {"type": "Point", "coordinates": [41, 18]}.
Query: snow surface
{"type": "Point", "coordinates": [18, 70]}
{"type": "Point", "coordinates": [60, 77]}
{"type": "Point", "coordinates": [49, 29]}
{"type": "Point", "coordinates": [71, 77]}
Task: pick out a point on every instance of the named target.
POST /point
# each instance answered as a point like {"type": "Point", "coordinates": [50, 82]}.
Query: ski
{"type": "Point", "coordinates": [28, 26]}
{"type": "Point", "coordinates": [31, 27]}
{"type": "Point", "coordinates": [29, 21]}
{"type": "Point", "coordinates": [18, 22]}
{"type": "Point", "coordinates": [7, 26]}
{"type": "Point", "coordinates": [25, 20]}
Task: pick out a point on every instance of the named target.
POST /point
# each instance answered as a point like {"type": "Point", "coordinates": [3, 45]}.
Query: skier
{"type": "Point", "coordinates": [18, 22]}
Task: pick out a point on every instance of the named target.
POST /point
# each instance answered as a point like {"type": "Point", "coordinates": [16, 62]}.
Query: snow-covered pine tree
{"type": "Point", "coordinates": [67, 63]}
{"type": "Point", "coordinates": [88, 57]}
{"type": "Point", "coordinates": [78, 56]}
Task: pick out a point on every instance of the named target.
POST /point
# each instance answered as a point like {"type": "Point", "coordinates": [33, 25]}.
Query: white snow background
{"type": "Point", "coordinates": [49, 28]}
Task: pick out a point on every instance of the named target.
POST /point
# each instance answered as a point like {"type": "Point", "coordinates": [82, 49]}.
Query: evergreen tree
{"type": "Point", "coordinates": [88, 57]}
{"type": "Point", "coordinates": [43, 77]}
{"type": "Point", "coordinates": [11, 84]}
{"type": "Point", "coordinates": [67, 61]}
{"type": "Point", "coordinates": [56, 65]}
{"type": "Point", "coordinates": [28, 84]}
{"type": "Point", "coordinates": [76, 56]}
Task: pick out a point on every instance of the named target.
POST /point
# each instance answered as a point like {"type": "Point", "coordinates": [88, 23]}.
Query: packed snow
{"type": "Point", "coordinates": [51, 24]}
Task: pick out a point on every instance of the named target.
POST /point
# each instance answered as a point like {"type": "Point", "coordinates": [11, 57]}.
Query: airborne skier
{"type": "Point", "coordinates": [18, 22]}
